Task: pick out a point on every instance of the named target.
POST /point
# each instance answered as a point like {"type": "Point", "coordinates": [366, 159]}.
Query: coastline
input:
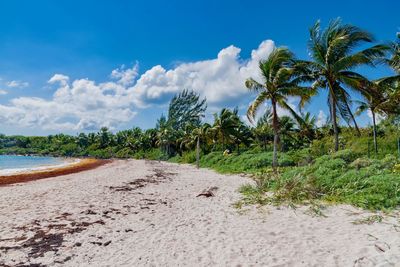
{"type": "Point", "coordinates": [66, 162]}
{"type": "Point", "coordinates": [13, 176]}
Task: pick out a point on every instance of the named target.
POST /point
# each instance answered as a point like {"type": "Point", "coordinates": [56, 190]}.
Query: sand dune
{"type": "Point", "coordinates": [143, 213]}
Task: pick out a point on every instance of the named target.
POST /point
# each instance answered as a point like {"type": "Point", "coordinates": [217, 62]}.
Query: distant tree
{"type": "Point", "coordinates": [82, 140]}
{"type": "Point", "coordinates": [225, 124]}
{"type": "Point", "coordinates": [149, 139]}
{"type": "Point", "coordinates": [242, 135]}
{"type": "Point", "coordinates": [105, 137]}
{"type": "Point", "coordinates": [166, 136]}
{"type": "Point", "coordinates": [92, 138]}
{"type": "Point", "coordinates": [307, 126]}
{"type": "Point", "coordinates": [186, 108]}
{"type": "Point", "coordinates": [198, 138]}
{"type": "Point", "coordinates": [381, 97]}
{"type": "Point", "coordinates": [263, 132]}
{"type": "Point", "coordinates": [135, 139]}
{"type": "Point", "coordinates": [287, 132]}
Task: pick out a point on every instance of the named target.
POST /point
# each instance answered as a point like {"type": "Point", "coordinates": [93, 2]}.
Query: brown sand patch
{"type": "Point", "coordinates": [83, 165]}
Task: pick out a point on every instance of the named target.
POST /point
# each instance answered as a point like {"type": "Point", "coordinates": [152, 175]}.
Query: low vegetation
{"type": "Point", "coordinates": [341, 177]}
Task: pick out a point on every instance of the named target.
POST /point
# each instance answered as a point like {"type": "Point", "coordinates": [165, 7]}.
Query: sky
{"type": "Point", "coordinates": [75, 66]}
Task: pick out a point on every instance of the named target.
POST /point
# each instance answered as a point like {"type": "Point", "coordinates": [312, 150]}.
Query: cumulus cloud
{"type": "Point", "coordinates": [219, 80]}
{"type": "Point", "coordinates": [83, 104]}
{"type": "Point", "coordinates": [125, 76]}
{"type": "Point", "coordinates": [3, 92]}
{"type": "Point", "coordinates": [17, 84]}
{"type": "Point", "coordinates": [78, 105]}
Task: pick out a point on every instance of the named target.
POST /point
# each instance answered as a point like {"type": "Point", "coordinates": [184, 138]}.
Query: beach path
{"type": "Point", "coordinates": [149, 213]}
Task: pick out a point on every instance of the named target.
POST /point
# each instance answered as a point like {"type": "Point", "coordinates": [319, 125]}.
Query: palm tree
{"type": "Point", "coordinates": [333, 63]}
{"type": "Point", "coordinates": [287, 132]}
{"type": "Point", "coordinates": [82, 140]}
{"type": "Point", "coordinates": [134, 140]}
{"type": "Point", "coordinates": [225, 124]}
{"type": "Point", "coordinates": [198, 137]}
{"type": "Point", "coordinates": [167, 137]}
{"type": "Point", "coordinates": [395, 59]}
{"type": "Point", "coordinates": [105, 137]}
{"type": "Point", "coordinates": [263, 131]}
{"type": "Point", "coordinates": [380, 98]}
{"type": "Point", "coordinates": [277, 73]}
{"type": "Point", "coordinates": [242, 135]}
{"type": "Point", "coordinates": [307, 125]}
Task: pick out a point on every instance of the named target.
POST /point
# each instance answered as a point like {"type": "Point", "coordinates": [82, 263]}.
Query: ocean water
{"type": "Point", "coordinates": [27, 162]}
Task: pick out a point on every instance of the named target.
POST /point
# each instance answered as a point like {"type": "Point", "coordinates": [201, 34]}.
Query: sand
{"type": "Point", "coordinates": [144, 213]}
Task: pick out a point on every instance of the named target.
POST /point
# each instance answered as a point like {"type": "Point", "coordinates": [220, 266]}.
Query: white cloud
{"type": "Point", "coordinates": [80, 105]}
{"type": "Point", "coordinates": [17, 84]}
{"type": "Point", "coordinates": [219, 80]}
{"type": "Point", "coordinates": [125, 76]}
{"type": "Point", "coordinates": [83, 104]}
{"type": "Point", "coordinates": [3, 92]}
{"type": "Point", "coordinates": [62, 79]}
{"type": "Point", "coordinates": [321, 119]}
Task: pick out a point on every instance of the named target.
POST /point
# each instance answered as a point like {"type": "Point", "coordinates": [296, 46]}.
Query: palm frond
{"type": "Point", "coordinates": [292, 112]}
{"type": "Point", "coordinates": [316, 46]}
{"type": "Point", "coordinates": [255, 105]}
{"type": "Point", "coordinates": [361, 107]}
{"type": "Point", "coordinates": [253, 85]}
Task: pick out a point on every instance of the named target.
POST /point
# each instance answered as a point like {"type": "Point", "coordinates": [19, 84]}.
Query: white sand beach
{"type": "Point", "coordinates": [147, 213]}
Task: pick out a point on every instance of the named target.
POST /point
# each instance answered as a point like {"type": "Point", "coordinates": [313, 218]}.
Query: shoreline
{"type": "Point", "coordinates": [31, 174]}
{"type": "Point", "coordinates": [13, 171]}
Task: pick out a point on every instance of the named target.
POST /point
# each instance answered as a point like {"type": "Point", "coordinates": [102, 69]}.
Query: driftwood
{"type": "Point", "coordinates": [209, 192]}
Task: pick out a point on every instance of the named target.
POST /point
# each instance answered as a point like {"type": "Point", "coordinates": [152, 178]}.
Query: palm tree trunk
{"type": "Point", "coordinates": [334, 119]}
{"type": "Point", "coordinates": [198, 153]}
{"type": "Point", "coordinates": [355, 124]}
{"type": "Point", "coordinates": [276, 137]}
{"type": "Point", "coordinates": [374, 132]}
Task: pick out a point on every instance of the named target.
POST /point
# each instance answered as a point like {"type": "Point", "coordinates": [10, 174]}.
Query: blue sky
{"type": "Point", "coordinates": [57, 57]}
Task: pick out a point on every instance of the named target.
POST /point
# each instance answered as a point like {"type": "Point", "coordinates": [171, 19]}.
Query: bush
{"type": "Point", "coordinates": [246, 162]}
{"type": "Point", "coordinates": [371, 184]}
{"type": "Point", "coordinates": [102, 153]}
{"type": "Point", "coordinates": [152, 154]}
{"type": "Point", "coordinates": [124, 153]}
{"type": "Point", "coordinates": [187, 157]}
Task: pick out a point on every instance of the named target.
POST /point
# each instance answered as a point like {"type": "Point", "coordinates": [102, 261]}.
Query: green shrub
{"type": "Point", "coordinates": [246, 162]}
{"type": "Point", "coordinates": [124, 153]}
{"type": "Point", "coordinates": [152, 154]}
{"type": "Point", "coordinates": [366, 183]}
